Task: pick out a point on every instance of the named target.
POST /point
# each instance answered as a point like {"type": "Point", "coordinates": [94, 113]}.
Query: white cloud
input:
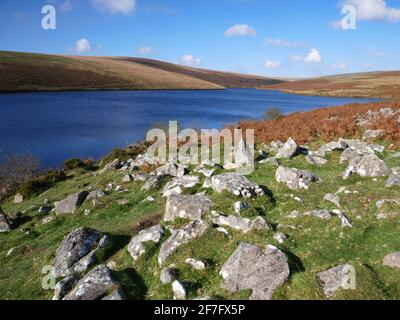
{"type": "Point", "coordinates": [340, 66]}
{"type": "Point", "coordinates": [115, 6]}
{"type": "Point", "coordinates": [272, 65]}
{"type": "Point", "coordinates": [240, 30]}
{"type": "Point", "coordinates": [296, 57]}
{"type": "Point", "coordinates": [83, 45]}
{"type": "Point", "coordinates": [189, 60]}
{"type": "Point", "coordinates": [313, 56]}
{"type": "Point", "coordinates": [278, 42]}
{"type": "Point", "coordinates": [145, 51]}
{"type": "Point", "coordinates": [66, 6]}
{"type": "Point", "coordinates": [374, 10]}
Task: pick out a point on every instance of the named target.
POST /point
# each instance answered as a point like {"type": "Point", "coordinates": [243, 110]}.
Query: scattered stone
{"type": "Point", "coordinates": [329, 147]}
{"type": "Point", "coordinates": [362, 148]}
{"type": "Point", "coordinates": [77, 251]}
{"type": "Point", "coordinates": [321, 214]}
{"type": "Point", "coordinates": [222, 230]}
{"type": "Point", "coordinates": [94, 286]}
{"type": "Point", "coordinates": [294, 214]}
{"type": "Point", "coordinates": [136, 247]}
{"type": "Point", "coordinates": [71, 203]}
{"type": "Point", "coordinates": [392, 260]}
{"type": "Point", "coordinates": [122, 202]}
{"type": "Point", "coordinates": [367, 166]}
{"type": "Point", "coordinates": [259, 223]}
{"type": "Point", "coordinates": [280, 237]}
{"type": "Point", "coordinates": [346, 223]}
{"type": "Point", "coordinates": [109, 187]}
{"type": "Point", "coordinates": [191, 207]}
{"type": "Point", "coordinates": [113, 165]}
{"type": "Point", "coordinates": [240, 206]}
{"type": "Point", "coordinates": [195, 264]}
{"type": "Point", "coordinates": [393, 180]}
{"type": "Point", "coordinates": [47, 220]}
{"type": "Point", "coordinates": [348, 155]}
{"type": "Point", "coordinates": [373, 134]}
{"type": "Point", "coordinates": [333, 199]}
{"type": "Point", "coordinates": [171, 169]}
{"type": "Point", "coordinates": [340, 277]}
{"type": "Point", "coordinates": [288, 150]}
{"type": "Point", "coordinates": [387, 215]}
{"type": "Point", "coordinates": [4, 223]}
{"type": "Point", "coordinates": [96, 194]}
{"type": "Point", "coordinates": [272, 161]}
{"type": "Point", "coordinates": [112, 265]}
{"type": "Point", "coordinates": [119, 188]}
{"type": "Point", "coordinates": [19, 198]}
{"type": "Point", "coordinates": [181, 236]}
{"type": "Point", "coordinates": [168, 275]}
{"type": "Point", "coordinates": [10, 252]}
{"type": "Point", "coordinates": [316, 161]}
{"type": "Point", "coordinates": [140, 177]}
{"type": "Point", "coordinates": [176, 185]}
{"type": "Point", "coordinates": [236, 184]}
{"type": "Point", "coordinates": [64, 286]}
{"type": "Point", "coordinates": [150, 199]}
{"type": "Point", "coordinates": [179, 290]}
{"type": "Point", "coordinates": [236, 223]}
{"type": "Point", "coordinates": [87, 212]}
{"type": "Point", "coordinates": [127, 178]}
{"type": "Point", "coordinates": [250, 267]}
{"type": "Point", "coordinates": [294, 178]}
{"type": "Point", "coordinates": [154, 182]}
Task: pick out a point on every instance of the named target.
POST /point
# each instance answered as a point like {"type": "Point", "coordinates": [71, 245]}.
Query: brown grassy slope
{"type": "Point", "coordinates": [326, 124]}
{"type": "Point", "coordinates": [372, 84]}
{"type": "Point", "coordinates": [226, 79]}
{"type": "Point", "coordinates": [39, 72]}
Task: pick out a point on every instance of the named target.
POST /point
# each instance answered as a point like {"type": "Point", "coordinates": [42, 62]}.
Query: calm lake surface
{"type": "Point", "coordinates": [57, 126]}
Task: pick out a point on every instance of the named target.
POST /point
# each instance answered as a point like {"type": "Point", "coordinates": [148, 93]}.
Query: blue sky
{"type": "Point", "coordinates": [289, 38]}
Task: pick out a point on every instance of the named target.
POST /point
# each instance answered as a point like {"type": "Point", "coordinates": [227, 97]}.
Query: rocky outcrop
{"type": "Point", "coordinates": [373, 134]}
{"type": "Point", "coordinates": [179, 290]}
{"type": "Point", "coordinates": [71, 203]}
{"type": "Point", "coordinates": [236, 184]}
{"type": "Point", "coordinates": [333, 198]}
{"type": "Point", "coordinates": [154, 182]}
{"type": "Point", "coordinates": [4, 223]}
{"type": "Point", "coordinates": [329, 147]}
{"type": "Point", "coordinates": [176, 185]}
{"type": "Point", "coordinates": [392, 260]}
{"type": "Point", "coordinates": [136, 247]}
{"type": "Point", "coordinates": [195, 264]}
{"type": "Point", "coordinates": [367, 166]}
{"type": "Point", "coordinates": [316, 161]}
{"type": "Point", "coordinates": [96, 194]}
{"type": "Point", "coordinates": [294, 178]}
{"type": "Point", "coordinates": [187, 207]}
{"type": "Point", "coordinates": [181, 236]}
{"type": "Point", "coordinates": [64, 286]}
{"type": "Point", "coordinates": [288, 150]}
{"type": "Point", "coordinates": [393, 180]}
{"type": "Point", "coordinates": [239, 224]}
{"type": "Point", "coordinates": [77, 251]}
{"type": "Point", "coordinates": [171, 169]}
{"type": "Point", "coordinates": [261, 270]}
{"type": "Point", "coordinates": [94, 286]}
{"type": "Point", "coordinates": [168, 275]}
{"type": "Point", "coordinates": [340, 277]}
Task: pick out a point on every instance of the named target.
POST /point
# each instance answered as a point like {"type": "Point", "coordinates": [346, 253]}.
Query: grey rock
{"type": "Point", "coordinates": [94, 286]}
{"type": "Point", "coordinates": [122, 202]}
{"type": "Point", "coordinates": [367, 166]}
{"type": "Point", "coordinates": [96, 194]}
{"type": "Point", "coordinates": [272, 161]}
{"type": "Point", "coordinates": [236, 184]}
{"type": "Point", "coordinates": [288, 150]}
{"type": "Point", "coordinates": [329, 147]}
{"type": "Point", "coordinates": [176, 185]}
{"type": "Point", "coordinates": [250, 267]}
{"type": "Point", "coordinates": [4, 223]}
{"type": "Point", "coordinates": [373, 134]}
{"type": "Point", "coordinates": [127, 178]}
{"type": "Point", "coordinates": [392, 260]}
{"type": "Point", "coordinates": [240, 206]}
{"type": "Point", "coordinates": [347, 155]}
{"type": "Point", "coordinates": [71, 203]}
{"type": "Point", "coordinates": [333, 198]}
{"type": "Point", "coordinates": [47, 220]}
{"type": "Point", "coordinates": [116, 295]}
{"type": "Point", "coordinates": [316, 161]}
{"type": "Point", "coordinates": [236, 223]}
{"type": "Point", "coordinates": [140, 177]}
{"type": "Point", "coordinates": [362, 148]}
{"type": "Point", "coordinates": [181, 236]}
{"type": "Point", "coordinates": [191, 207]}
{"type": "Point", "coordinates": [171, 169]}
{"type": "Point", "coordinates": [393, 180]}
{"type": "Point", "coordinates": [113, 165]}
{"type": "Point", "coordinates": [19, 198]}
{"type": "Point", "coordinates": [168, 275]}
{"type": "Point", "coordinates": [294, 178]}
{"type": "Point", "coordinates": [321, 214]}
{"type": "Point", "coordinates": [340, 277]}
{"type": "Point", "coordinates": [280, 237]}
{"type": "Point", "coordinates": [179, 290]}
{"type": "Point", "coordinates": [45, 209]}
{"type": "Point", "coordinates": [75, 247]}
{"type": "Point", "coordinates": [346, 223]}
{"type": "Point", "coordinates": [154, 182]}
{"type": "Point", "coordinates": [195, 264]}
{"type": "Point", "coordinates": [64, 286]}
{"type": "Point", "coordinates": [259, 223]}
{"type": "Point", "coordinates": [136, 247]}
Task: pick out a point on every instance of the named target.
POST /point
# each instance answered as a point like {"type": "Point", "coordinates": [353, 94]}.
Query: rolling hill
{"type": "Point", "coordinates": [21, 72]}
{"type": "Point", "coordinates": [372, 84]}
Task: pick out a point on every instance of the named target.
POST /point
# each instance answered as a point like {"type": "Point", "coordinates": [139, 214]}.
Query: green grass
{"type": "Point", "coordinates": [313, 245]}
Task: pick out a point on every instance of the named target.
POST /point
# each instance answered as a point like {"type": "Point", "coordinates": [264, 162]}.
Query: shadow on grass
{"type": "Point", "coordinates": [132, 283]}
{"type": "Point", "coordinates": [295, 263]}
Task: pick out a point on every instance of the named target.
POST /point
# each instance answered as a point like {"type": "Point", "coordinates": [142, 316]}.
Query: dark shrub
{"type": "Point", "coordinates": [41, 183]}
{"type": "Point", "coordinates": [273, 114]}
{"type": "Point", "coordinates": [125, 153]}
{"type": "Point", "coordinates": [72, 164]}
